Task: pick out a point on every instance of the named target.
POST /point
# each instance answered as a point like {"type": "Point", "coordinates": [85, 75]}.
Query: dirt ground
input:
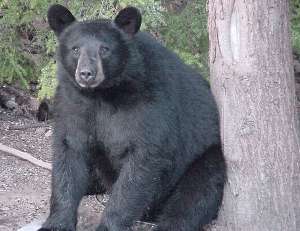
{"type": "Point", "coordinates": [24, 187]}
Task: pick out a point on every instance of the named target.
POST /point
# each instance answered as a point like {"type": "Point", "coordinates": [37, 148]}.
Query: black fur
{"type": "Point", "coordinates": [45, 110]}
{"type": "Point", "coordinates": [148, 134]}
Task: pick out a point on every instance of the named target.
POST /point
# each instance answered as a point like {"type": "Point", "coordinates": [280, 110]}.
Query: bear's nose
{"type": "Point", "coordinates": [87, 75]}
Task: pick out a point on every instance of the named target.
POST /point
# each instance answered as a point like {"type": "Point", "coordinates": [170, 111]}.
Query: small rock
{"type": "Point", "coordinates": [48, 133]}
{"type": "Point", "coordinates": [5, 208]}
{"type": "Point", "coordinates": [40, 131]}
{"type": "Point", "coordinates": [11, 104]}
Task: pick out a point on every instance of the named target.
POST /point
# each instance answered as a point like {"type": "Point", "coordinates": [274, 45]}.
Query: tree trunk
{"type": "Point", "coordinates": [253, 82]}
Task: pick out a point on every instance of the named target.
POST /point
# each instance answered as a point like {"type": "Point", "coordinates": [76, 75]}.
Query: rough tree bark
{"type": "Point", "coordinates": [252, 79]}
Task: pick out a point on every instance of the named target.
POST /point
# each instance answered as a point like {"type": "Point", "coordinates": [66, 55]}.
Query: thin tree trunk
{"type": "Point", "coordinates": [253, 82]}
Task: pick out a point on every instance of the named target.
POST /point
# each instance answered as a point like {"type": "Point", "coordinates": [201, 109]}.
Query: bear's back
{"type": "Point", "coordinates": [188, 91]}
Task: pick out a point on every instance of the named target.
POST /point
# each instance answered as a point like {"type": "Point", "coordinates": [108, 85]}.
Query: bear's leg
{"type": "Point", "coordinates": [198, 195]}
{"type": "Point", "coordinates": [142, 179]}
{"type": "Point", "coordinates": [69, 184]}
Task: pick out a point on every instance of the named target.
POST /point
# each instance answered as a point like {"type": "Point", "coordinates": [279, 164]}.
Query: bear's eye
{"type": "Point", "coordinates": [75, 50]}
{"type": "Point", "coordinates": [103, 50]}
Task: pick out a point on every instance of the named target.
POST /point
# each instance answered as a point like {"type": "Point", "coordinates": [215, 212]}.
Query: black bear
{"type": "Point", "coordinates": [133, 121]}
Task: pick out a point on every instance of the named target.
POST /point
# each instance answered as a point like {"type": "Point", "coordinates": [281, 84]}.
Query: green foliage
{"type": "Point", "coordinates": [295, 24]}
{"type": "Point", "coordinates": [152, 12]}
{"type": "Point", "coordinates": [186, 34]}
{"type": "Point", "coordinates": [47, 81]}
{"type": "Point", "coordinates": [14, 67]}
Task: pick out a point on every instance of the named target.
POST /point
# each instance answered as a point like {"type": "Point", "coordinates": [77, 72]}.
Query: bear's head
{"type": "Point", "coordinates": [94, 53]}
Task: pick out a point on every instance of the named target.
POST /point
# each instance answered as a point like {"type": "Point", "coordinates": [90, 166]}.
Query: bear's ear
{"type": "Point", "coordinates": [129, 20]}
{"type": "Point", "coordinates": [59, 17]}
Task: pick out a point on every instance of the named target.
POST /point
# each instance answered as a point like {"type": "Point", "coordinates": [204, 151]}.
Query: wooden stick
{"type": "Point", "coordinates": [27, 126]}
{"type": "Point", "coordinates": [25, 156]}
